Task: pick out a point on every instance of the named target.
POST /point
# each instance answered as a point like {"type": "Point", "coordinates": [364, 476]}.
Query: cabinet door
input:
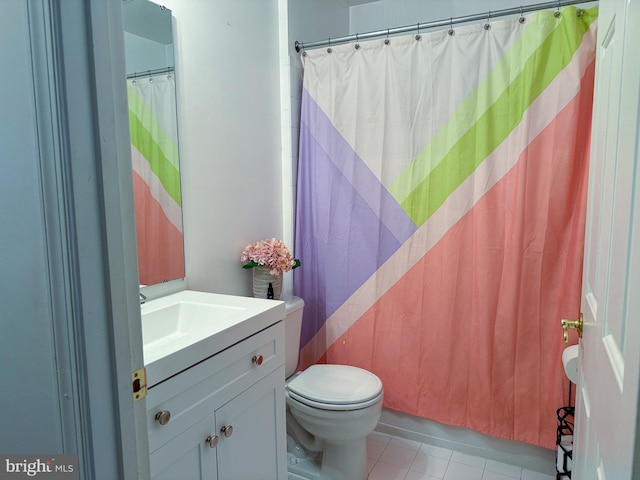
{"type": "Point", "coordinates": [188, 456]}
{"type": "Point", "coordinates": [256, 449]}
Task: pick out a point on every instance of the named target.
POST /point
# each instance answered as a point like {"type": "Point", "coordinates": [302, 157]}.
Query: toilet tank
{"type": "Point", "coordinates": [292, 328]}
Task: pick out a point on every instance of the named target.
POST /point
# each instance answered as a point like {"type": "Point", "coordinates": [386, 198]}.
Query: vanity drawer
{"type": "Point", "coordinates": [199, 390]}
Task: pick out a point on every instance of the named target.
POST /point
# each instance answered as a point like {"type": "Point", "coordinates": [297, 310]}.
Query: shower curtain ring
{"type": "Point", "coordinates": [357, 45]}
{"type": "Point", "coordinates": [329, 50]}
{"type": "Point", "coordinates": [557, 12]}
{"type": "Point", "coordinates": [451, 31]}
{"type": "Point", "coordinates": [487, 26]}
{"type": "Point", "coordinates": [418, 36]}
{"type": "Point", "coordinates": [522, 19]}
{"type": "Point", "coordinates": [386, 40]}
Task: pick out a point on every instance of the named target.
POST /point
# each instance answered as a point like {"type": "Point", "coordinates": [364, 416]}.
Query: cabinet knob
{"type": "Point", "coordinates": [257, 360]}
{"type": "Point", "coordinates": [227, 430]}
{"type": "Point", "coordinates": [212, 441]}
{"type": "Point", "coordinates": [163, 417]}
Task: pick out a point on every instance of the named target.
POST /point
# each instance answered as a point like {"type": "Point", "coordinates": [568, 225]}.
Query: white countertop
{"type": "Point", "coordinates": [184, 328]}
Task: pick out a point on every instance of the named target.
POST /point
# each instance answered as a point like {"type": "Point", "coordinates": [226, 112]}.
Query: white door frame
{"type": "Point", "coordinates": [81, 103]}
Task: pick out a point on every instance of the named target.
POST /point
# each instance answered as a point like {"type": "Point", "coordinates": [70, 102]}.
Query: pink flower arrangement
{"type": "Point", "coordinates": [270, 253]}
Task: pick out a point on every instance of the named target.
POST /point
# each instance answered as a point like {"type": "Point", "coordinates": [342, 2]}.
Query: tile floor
{"type": "Point", "coordinates": [394, 458]}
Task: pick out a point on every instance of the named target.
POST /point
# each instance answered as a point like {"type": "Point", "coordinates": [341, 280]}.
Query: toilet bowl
{"type": "Point", "coordinates": [330, 411]}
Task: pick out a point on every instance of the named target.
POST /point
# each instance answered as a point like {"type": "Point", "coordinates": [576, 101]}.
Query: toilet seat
{"type": "Point", "coordinates": [335, 387]}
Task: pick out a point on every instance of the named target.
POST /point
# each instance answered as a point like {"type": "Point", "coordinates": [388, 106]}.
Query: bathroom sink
{"type": "Point", "coordinates": [180, 322]}
{"type": "Point", "coordinates": [184, 328]}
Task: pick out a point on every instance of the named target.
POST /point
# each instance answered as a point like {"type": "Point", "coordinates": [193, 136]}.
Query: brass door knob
{"type": "Point", "coordinates": [212, 441]}
{"type": "Point", "coordinates": [575, 324]}
{"type": "Point", "coordinates": [227, 430]}
{"type": "Point", "coordinates": [163, 417]}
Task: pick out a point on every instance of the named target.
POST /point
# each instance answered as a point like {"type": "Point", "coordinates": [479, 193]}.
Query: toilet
{"type": "Point", "coordinates": [330, 411]}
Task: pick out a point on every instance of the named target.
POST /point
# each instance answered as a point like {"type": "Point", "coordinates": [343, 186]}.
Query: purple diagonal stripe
{"type": "Point", "coordinates": [340, 237]}
{"type": "Point", "coordinates": [389, 212]}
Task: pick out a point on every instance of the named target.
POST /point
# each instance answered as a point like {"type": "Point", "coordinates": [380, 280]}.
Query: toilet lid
{"type": "Point", "coordinates": [336, 385]}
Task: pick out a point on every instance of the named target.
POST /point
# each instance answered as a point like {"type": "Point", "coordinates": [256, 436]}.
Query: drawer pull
{"type": "Point", "coordinates": [257, 360]}
{"type": "Point", "coordinates": [227, 430]}
{"type": "Point", "coordinates": [163, 417]}
{"type": "Point", "coordinates": [212, 441]}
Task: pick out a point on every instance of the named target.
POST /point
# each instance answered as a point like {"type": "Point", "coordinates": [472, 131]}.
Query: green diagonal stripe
{"type": "Point", "coordinates": [148, 120]}
{"type": "Point", "coordinates": [553, 55]}
{"type": "Point", "coordinates": [489, 89]}
{"type": "Point", "coordinates": [143, 140]}
{"type": "Point", "coordinates": [168, 175]}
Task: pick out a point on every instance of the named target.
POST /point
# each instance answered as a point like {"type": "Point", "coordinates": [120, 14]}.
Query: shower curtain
{"type": "Point", "coordinates": [156, 172]}
{"type": "Point", "coordinates": [440, 215]}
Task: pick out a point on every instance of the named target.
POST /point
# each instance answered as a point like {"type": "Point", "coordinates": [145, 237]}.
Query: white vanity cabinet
{"type": "Point", "coordinates": [226, 415]}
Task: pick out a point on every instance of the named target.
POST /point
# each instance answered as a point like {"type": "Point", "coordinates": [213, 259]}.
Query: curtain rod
{"type": "Point", "coordinates": [149, 73]}
{"type": "Point", "coordinates": [439, 23]}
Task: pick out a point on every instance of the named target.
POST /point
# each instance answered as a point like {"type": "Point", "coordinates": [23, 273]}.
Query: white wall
{"type": "Point", "coordinates": [397, 13]}
{"type": "Point", "coordinates": [228, 83]}
{"type": "Point", "coordinates": [144, 54]}
{"type": "Point", "coordinates": [311, 20]}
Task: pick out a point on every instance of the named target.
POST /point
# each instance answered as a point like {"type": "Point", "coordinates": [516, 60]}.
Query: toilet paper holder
{"type": "Point", "coordinates": [575, 324]}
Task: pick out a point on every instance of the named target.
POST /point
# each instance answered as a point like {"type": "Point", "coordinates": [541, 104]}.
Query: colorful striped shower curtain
{"type": "Point", "coordinates": [156, 175]}
{"type": "Point", "coordinates": [440, 216]}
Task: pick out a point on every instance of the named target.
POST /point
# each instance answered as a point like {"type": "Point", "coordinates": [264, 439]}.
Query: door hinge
{"type": "Point", "coordinates": [139, 384]}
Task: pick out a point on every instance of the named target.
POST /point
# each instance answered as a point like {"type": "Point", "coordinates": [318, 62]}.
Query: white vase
{"type": "Point", "coordinates": [261, 280]}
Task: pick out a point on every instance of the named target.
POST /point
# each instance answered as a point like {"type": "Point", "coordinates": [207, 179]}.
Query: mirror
{"type": "Point", "coordinates": [153, 125]}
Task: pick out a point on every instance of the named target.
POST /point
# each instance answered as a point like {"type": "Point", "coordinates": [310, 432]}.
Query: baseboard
{"type": "Point", "coordinates": [467, 441]}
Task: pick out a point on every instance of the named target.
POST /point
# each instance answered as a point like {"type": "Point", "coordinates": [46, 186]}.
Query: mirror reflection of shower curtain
{"type": "Point", "coordinates": [440, 216]}
{"type": "Point", "coordinates": [156, 173]}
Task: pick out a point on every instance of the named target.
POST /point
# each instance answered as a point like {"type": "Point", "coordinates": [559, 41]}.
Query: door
{"type": "Point", "coordinates": [255, 448]}
{"type": "Point", "coordinates": [607, 393]}
{"type": "Point", "coordinates": [67, 247]}
{"type": "Point", "coordinates": [189, 456]}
